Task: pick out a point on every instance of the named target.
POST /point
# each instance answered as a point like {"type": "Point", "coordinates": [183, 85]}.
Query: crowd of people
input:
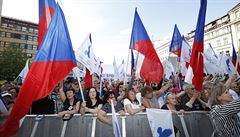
{"type": "Point", "coordinates": [219, 95]}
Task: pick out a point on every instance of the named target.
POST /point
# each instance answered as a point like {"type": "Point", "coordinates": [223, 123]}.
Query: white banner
{"type": "Point", "coordinates": [160, 122]}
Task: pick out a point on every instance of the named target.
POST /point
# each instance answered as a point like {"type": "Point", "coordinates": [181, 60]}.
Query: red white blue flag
{"type": "Point", "coordinates": [195, 69]}
{"type": "Point", "coordinates": [46, 10]}
{"type": "Point", "coordinates": [176, 42]}
{"type": "Point", "coordinates": [54, 60]}
{"type": "Point", "coordinates": [151, 68]}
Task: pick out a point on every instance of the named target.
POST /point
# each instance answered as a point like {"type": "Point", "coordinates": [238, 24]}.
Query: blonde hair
{"type": "Point", "coordinates": [215, 92]}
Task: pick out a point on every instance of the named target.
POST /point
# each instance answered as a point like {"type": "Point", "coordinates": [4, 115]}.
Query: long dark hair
{"type": "Point", "coordinates": [88, 100]}
{"type": "Point", "coordinates": [126, 96]}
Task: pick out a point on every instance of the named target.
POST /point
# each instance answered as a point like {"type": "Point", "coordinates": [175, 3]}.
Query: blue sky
{"type": "Point", "coordinates": [110, 21]}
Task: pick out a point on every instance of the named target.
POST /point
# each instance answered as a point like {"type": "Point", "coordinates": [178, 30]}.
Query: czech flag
{"type": "Point", "coordinates": [151, 68]}
{"type": "Point", "coordinates": [54, 60]}
{"type": "Point", "coordinates": [195, 70]}
{"type": "Point", "coordinates": [46, 10]}
{"type": "Point", "coordinates": [176, 42]}
{"type": "Point", "coordinates": [234, 59]}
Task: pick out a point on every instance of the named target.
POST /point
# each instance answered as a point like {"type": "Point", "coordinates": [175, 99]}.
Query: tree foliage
{"type": "Point", "coordinates": [12, 61]}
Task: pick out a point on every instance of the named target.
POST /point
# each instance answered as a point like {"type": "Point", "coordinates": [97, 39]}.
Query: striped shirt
{"type": "Point", "coordinates": [226, 120]}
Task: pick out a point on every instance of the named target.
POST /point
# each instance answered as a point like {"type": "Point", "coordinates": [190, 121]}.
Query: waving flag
{"type": "Point", "coordinates": [211, 61]}
{"type": "Point", "coordinates": [195, 70]}
{"type": "Point", "coordinates": [88, 82]}
{"type": "Point", "coordinates": [46, 10]}
{"type": "Point", "coordinates": [3, 107]}
{"type": "Point", "coordinates": [226, 64]}
{"type": "Point", "coordinates": [234, 59]}
{"type": "Point", "coordinates": [151, 68]}
{"type": "Point", "coordinates": [115, 69]}
{"type": "Point", "coordinates": [186, 52]}
{"type": "Point", "coordinates": [23, 73]}
{"type": "Point", "coordinates": [132, 62]}
{"type": "Point", "coordinates": [169, 70]}
{"type": "Point", "coordinates": [86, 56]}
{"type": "Point", "coordinates": [160, 122]}
{"type": "Point", "coordinates": [176, 42]}
{"type": "Point", "coordinates": [54, 60]}
{"type": "Point", "coordinates": [115, 123]}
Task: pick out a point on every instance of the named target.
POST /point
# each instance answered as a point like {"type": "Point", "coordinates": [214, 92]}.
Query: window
{"type": "Point", "coordinates": [23, 37]}
{"type": "Point", "coordinates": [30, 29]}
{"type": "Point", "coordinates": [4, 25]}
{"type": "Point", "coordinates": [10, 25]}
{"type": "Point", "coordinates": [15, 45]}
{"type": "Point", "coordinates": [225, 41]}
{"type": "Point", "coordinates": [2, 34]}
{"type": "Point", "coordinates": [35, 39]}
{"type": "Point", "coordinates": [8, 34]}
{"type": "Point", "coordinates": [2, 44]}
{"type": "Point", "coordinates": [34, 47]}
{"type": "Point", "coordinates": [35, 30]}
{"type": "Point", "coordinates": [16, 36]}
{"type": "Point", "coordinates": [24, 29]}
{"type": "Point", "coordinates": [30, 38]}
{"type": "Point", "coordinates": [218, 43]}
{"type": "Point", "coordinates": [22, 46]}
{"type": "Point", "coordinates": [7, 44]}
{"type": "Point", "coordinates": [29, 46]}
{"type": "Point", "coordinates": [238, 27]}
{"type": "Point", "coordinates": [237, 14]}
{"type": "Point", "coordinates": [19, 27]}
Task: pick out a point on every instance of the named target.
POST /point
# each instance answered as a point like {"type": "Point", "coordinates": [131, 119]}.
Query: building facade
{"type": "Point", "coordinates": [221, 33]}
{"type": "Point", "coordinates": [20, 34]}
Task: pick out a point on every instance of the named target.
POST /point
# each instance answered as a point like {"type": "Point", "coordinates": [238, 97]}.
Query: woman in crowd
{"type": "Point", "coordinates": [93, 102]}
{"type": "Point", "coordinates": [171, 102]}
{"type": "Point", "coordinates": [131, 104]}
{"type": "Point", "coordinates": [149, 98]}
{"type": "Point", "coordinates": [224, 112]}
{"type": "Point", "coordinates": [71, 104]}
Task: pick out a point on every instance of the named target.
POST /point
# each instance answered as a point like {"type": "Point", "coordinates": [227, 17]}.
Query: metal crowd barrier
{"type": "Point", "coordinates": [197, 124]}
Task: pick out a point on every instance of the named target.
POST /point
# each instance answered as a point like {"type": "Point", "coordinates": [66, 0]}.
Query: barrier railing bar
{"type": "Point", "coordinates": [93, 126]}
{"type": "Point", "coordinates": [123, 126]}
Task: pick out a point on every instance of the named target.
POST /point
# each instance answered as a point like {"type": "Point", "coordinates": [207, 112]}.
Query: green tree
{"type": "Point", "coordinates": [12, 61]}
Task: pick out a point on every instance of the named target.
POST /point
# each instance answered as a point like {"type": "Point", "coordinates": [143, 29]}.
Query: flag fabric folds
{"type": "Point", "coordinates": [169, 70]}
{"type": "Point", "coordinates": [160, 122]}
{"type": "Point", "coordinates": [3, 107]}
{"type": "Point", "coordinates": [151, 68]}
{"type": "Point", "coordinates": [85, 55]}
{"type": "Point", "coordinates": [115, 69]}
{"type": "Point", "coordinates": [226, 64]}
{"type": "Point", "coordinates": [53, 62]}
{"type": "Point", "coordinates": [46, 10]}
{"type": "Point", "coordinates": [176, 42]}
{"type": "Point", "coordinates": [195, 70]}
{"type": "Point", "coordinates": [115, 123]}
{"type": "Point", "coordinates": [234, 59]}
{"type": "Point", "coordinates": [23, 73]}
{"type": "Point", "coordinates": [211, 61]}
{"type": "Point", "coordinates": [132, 62]}
{"type": "Point", "coordinates": [88, 81]}
{"type": "Point", "coordinates": [186, 52]}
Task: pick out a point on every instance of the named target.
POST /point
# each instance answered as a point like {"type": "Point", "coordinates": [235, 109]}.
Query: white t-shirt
{"type": "Point", "coordinates": [128, 102]}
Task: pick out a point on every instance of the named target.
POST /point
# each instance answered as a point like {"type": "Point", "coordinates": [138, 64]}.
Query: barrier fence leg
{"type": "Point", "coordinates": [183, 125]}
{"type": "Point", "coordinates": [123, 126]}
{"type": "Point", "coordinates": [37, 119]}
{"type": "Point", "coordinates": [64, 128]}
{"type": "Point", "coordinates": [93, 127]}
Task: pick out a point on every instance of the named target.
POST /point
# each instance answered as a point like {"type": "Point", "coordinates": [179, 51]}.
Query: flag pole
{"type": "Point", "coordinates": [80, 86]}
{"type": "Point", "coordinates": [126, 67]}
